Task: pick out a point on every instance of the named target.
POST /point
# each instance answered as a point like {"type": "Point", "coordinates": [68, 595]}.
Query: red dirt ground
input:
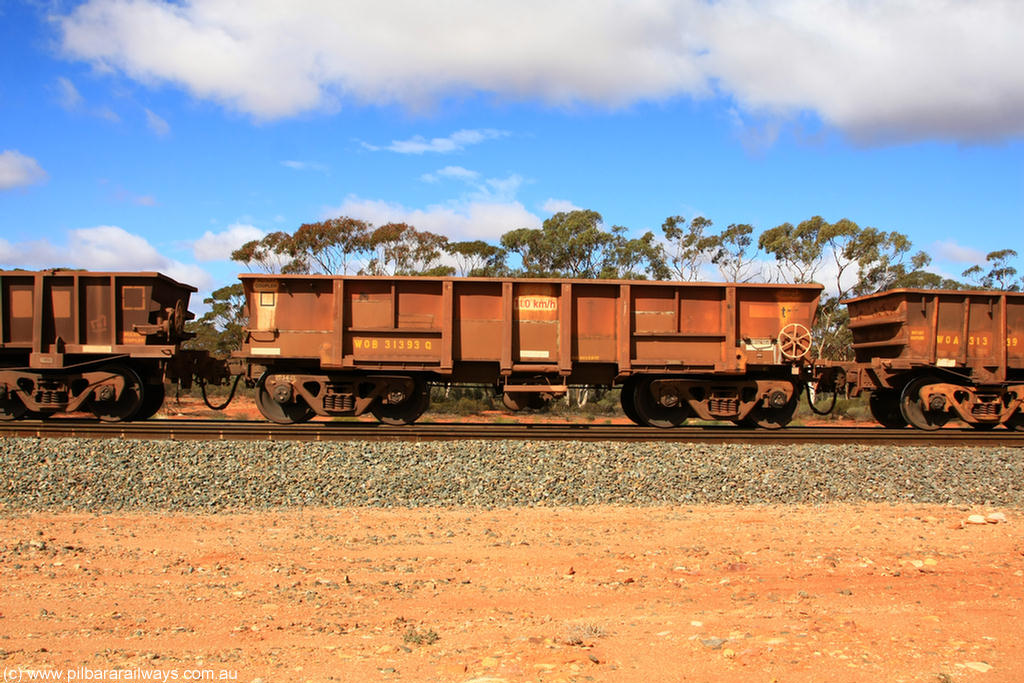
{"type": "Point", "coordinates": [703, 593]}
{"type": "Point", "coordinates": [243, 408]}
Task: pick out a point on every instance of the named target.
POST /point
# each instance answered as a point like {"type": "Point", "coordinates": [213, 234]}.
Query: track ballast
{"type": "Point", "coordinates": [219, 430]}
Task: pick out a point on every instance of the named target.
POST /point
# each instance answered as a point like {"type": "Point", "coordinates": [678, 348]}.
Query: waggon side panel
{"type": "Point", "coordinates": [50, 314]}
{"type": "Point", "coordinates": [980, 332]}
{"type": "Point", "coordinates": [520, 325]}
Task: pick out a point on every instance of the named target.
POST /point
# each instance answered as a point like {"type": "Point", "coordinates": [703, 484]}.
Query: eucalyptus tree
{"type": "Point", "coordinates": [1000, 275]}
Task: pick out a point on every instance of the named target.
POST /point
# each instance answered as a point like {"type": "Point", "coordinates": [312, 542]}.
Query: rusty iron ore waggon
{"type": "Point", "coordinates": [928, 356]}
{"type": "Point", "coordinates": [334, 345]}
{"type": "Point", "coordinates": [90, 341]}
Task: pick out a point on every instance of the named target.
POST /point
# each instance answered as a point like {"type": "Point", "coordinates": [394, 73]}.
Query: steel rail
{"type": "Point", "coordinates": [427, 431]}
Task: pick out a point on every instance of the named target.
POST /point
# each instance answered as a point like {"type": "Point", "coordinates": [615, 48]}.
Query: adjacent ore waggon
{"type": "Point", "coordinates": [928, 356]}
{"type": "Point", "coordinates": [332, 345]}
{"type": "Point", "coordinates": [88, 341]}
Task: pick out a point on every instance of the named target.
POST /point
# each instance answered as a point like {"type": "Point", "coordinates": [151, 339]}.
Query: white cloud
{"type": "Point", "coordinates": [487, 190]}
{"type": "Point", "coordinates": [18, 170]}
{"type": "Point", "coordinates": [7, 252]}
{"type": "Point", "coordinates": [877, 69]}
{"type": "Point", "coordinates": [157, 124]}
{"type": "Point", "coordinates": [105, 247]}
{"type": "Point", "coordinates": [554, 206]}
{"type": "Point", "coordinates": [457, 220]}
{"type": "Point", "coordinates": [450, 172]}
{"type": "Point", "coordinates": [217, 246]}
{"type": "Point", "coordinates": [70, 98]}
{"type": "Point", "coordinates": [107, 114]}
{"type": "Point", "coordinates": [455, 142]}
{"type": "Point", "coordinates": [304, 165]}
{"type": "Point", "coordinates": [486, 210]}
{"type": "Point", "coordinates": [949, 250]}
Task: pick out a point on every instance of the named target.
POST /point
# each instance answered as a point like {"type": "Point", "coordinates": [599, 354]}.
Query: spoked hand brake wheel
{"type": "Point", "coordinates": [794, 341]}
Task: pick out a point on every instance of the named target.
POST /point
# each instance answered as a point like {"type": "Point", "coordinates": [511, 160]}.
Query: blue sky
{"type": "Point", "coordinates": [141, 134]}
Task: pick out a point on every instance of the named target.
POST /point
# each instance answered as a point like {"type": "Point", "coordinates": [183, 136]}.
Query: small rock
{"type": "Point", "coordinates": [976, 519]}
{"type": "Point", "coordinates": [995, 518]}
{"type": "Point", "coordinates": [979, 666]}
{"type": "Point", "coordinates": [713, 643]}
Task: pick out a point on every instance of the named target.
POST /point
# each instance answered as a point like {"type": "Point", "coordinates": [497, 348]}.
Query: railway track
{"type": "Point", "coordinates": [371, 431]}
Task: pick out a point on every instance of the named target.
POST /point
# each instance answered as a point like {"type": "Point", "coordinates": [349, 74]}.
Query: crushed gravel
{"type": "Point", "coordinates": [107, 475]}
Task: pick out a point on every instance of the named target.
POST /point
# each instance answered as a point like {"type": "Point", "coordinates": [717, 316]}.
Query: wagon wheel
{"type": "Point", "coordinates": [772, 418]}
{"type": "Point", "coordinates": [405, 411]}
{"type": "Point", "coordinates": [152, 401]}
{"type": "Point", "coordinates": [289, 412]}
{"type": "Point", "coordinates": [627, 400]}
{"type": "Point", "coordinates": [124, 407]}
{"type": "Point", "coordinates": [915, 411]}
{"type": "Point", "coordinates": [794, 341]}
{"type": "Point", "coordinates": [11, 408]}
{"type": "Point", "coordinates": [1016, 421]}
{"type": "Point", "coordinates": [885, 408]}
{"type": "Point", "coordinates": [521, 400]}
{"type": "Point", "coordinates": [652, 412]}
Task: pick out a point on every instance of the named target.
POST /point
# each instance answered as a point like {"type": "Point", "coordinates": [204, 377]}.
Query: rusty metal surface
{"type": "Point", "coordinates": [49, 315]}
{"type": "Point", "coordinates": [81, 340]}
{"type": "Point", "coordinates": [586, 331]}
{"type": "Point", "coordinates": [978, 331]}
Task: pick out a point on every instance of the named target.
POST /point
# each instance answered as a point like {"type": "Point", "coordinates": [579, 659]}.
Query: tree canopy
{"type": "Point", "coordinates": [575, 244]}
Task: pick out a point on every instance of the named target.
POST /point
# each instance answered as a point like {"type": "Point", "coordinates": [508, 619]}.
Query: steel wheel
{"type": "Point", "coordinates": [152, 401]}
{"type": "Point", "coordinates": [885, 408]}
{"type": "Point", "coordinates": [627, 400]}
{"type": "Point", "coordinates": [286, 413]}
{"type": "Point", "coordinates": [11, 408]}
{"type": "Point", "coordinates": [405, 412]}
{"type": "Point", "coordinates": [652, 412]}
{"type": "Point", "coordinates": [772, 418]}
{"type": "Point", "coordinates": [521, 400]}
{"type": "Point", "coordinates": [915, 411]}
{"type": "Point", "coordinates": [126, 406]}
{"type": "Point", "coordinates": [769, 418]}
